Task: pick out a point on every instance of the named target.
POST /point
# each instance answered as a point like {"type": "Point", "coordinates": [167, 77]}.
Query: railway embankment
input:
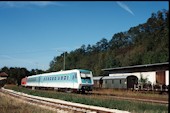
{"type": "Point", "coordinates": [60, 104]}
{"type": "Point", "coordinates": [99, 100]}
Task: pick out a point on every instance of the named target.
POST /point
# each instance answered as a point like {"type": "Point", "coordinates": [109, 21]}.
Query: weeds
{"type": "Point", "coordinates": [9, 105]}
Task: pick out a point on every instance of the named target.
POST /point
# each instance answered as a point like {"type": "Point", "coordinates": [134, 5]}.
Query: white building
{"type": "Point", "coordinates": [151, 76]}
{"type": "Point", "coordinates": [155, 73]}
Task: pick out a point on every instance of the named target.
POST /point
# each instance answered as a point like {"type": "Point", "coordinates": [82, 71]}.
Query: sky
{"type": "Point", "coordinates": [33, 33]}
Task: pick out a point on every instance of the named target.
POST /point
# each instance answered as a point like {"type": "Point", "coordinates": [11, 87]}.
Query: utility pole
{"type": "Point", "coordinates": [64, 61]}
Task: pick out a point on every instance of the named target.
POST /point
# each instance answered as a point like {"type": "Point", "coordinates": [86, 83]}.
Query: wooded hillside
{"type": "Point", "coordinates": [146, 43]}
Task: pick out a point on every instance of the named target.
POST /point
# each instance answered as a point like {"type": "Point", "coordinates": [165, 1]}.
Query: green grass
{"type": "Point", "coordinates": [102, 101]}
{"type": "Point", "coordinates": [133, 94]}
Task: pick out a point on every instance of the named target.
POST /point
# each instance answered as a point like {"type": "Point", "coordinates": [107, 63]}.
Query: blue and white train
{"type": "Point", "coordinates": [74, 80]}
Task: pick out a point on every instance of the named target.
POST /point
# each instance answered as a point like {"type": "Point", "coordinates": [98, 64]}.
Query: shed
{"type": "Point", "coordinates": [3, 75]}
{"type": "Point", "coordinates": [157, 73]}
{"type": "Point", "coordinates": [3, 78]}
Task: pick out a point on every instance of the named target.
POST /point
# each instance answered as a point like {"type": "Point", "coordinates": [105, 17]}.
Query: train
{"type": "Point", "coordinates": [116, 82]}
{"type": "Point", "coordinates": [75, 80]}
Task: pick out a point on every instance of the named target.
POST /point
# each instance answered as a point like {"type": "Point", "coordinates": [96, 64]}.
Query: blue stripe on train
{"type": "Point", "coordinates": [70, 77]}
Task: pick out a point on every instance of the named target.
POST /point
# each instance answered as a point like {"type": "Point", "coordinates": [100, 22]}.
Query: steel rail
{"type": "Point", "coordinates": [60, 104]}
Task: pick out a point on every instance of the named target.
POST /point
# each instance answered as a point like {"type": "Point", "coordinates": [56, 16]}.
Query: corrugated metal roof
{"type": "Point", "coordinates": [127, 67]}
{"type": "Point", "coordinates": [139, 68]}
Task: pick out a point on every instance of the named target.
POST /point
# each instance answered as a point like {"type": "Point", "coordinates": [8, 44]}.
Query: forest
{"type": "Point", "coordinates": [145, 43]}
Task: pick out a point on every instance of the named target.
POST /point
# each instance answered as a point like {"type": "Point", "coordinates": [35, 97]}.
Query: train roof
{"type": "Point", "coordinates": [60, 72]}
{"type": "Point", "coordinates": [110, 77]}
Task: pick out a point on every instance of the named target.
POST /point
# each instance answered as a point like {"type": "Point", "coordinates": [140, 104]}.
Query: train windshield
{"type": "Point", "coordinates": [85, 77]}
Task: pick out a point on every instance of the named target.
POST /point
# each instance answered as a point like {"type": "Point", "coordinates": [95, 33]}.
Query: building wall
{"type": "Point", "coordinates": [167, 78]}
{"type": "Point", "coordinates": [150, 75]}
{"type": "Point", "coordinates": [160, 77]}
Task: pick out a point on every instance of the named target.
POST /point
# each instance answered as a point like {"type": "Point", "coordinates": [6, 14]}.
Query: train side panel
{"type": "Point", "coordinates": [71, 79]}
{"type": "Point", "coordinates": [61, 80]}
{"type": "Point", "coordinates": [33, 81]}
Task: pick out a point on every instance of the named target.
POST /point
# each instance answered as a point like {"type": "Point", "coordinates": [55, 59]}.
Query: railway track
{"type": "Point", "coordinates": [134, 99]}
{"type": "Point", "coordinates": [60, 104]}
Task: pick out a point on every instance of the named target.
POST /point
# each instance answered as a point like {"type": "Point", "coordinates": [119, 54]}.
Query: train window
{"type": "Point", "coordinates": [64, 77]}
{"type": "Point", "coordinates": [61, 77]}
{"type": "Point", "coordinates": [75, 76]}
{"type": "Point", "coordinates": [83, 75]}
{"type": "Point", "coordinates": [105, 81]}
{"type": "Point", "coordinates": [120, 81]}
{"type": "Point", "coordinates": [112, 81]}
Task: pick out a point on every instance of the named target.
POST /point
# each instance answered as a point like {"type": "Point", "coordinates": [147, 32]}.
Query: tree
{"type": "Point", "coordinates": [141, 44]}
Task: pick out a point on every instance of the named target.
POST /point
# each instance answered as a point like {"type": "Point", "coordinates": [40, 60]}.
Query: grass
{"type": "Point", "coordinates": [11, 105]}
{"type": "Point", "coordinates": [102, 101]}
{"type": "Point", "coordinates": [134, 94]}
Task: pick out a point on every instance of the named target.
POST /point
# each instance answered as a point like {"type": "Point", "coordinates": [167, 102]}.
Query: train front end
{"type": "Point", "coordinates": [86, 80]}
